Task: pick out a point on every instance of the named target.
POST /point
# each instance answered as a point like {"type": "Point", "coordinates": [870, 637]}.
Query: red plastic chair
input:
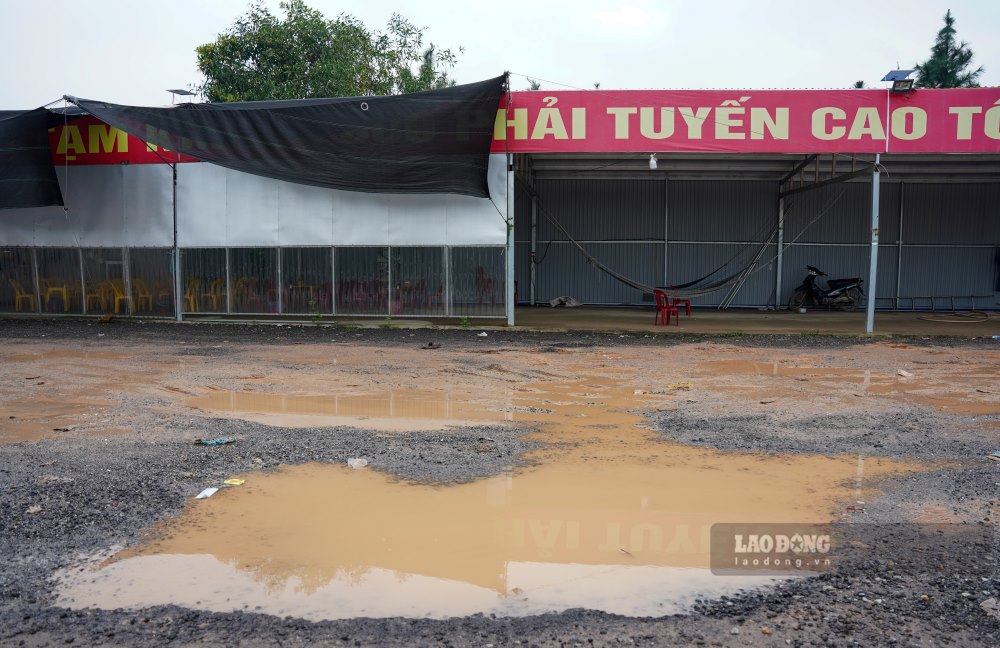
{"type": "Point", "coordinates": [664, 310]}
{"type": "Point", "coordinates": [686, 302]}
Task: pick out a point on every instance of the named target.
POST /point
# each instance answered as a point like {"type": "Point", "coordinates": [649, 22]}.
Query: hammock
{"type": "Point", "coordinates": [681, 290]}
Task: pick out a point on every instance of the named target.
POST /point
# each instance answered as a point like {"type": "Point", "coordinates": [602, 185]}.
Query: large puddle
{"type": "Point", "coordinates": [384, 410]}
{"type": "Point", "coordinates": [608, 518]}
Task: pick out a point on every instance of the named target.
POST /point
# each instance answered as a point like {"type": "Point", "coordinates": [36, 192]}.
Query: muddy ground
{"type": "Point", "coordinates": [122, 392]}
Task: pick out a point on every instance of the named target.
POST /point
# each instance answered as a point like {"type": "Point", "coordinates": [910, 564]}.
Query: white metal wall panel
{"type": "Point", "coordinates": [418, 219]}
{"type": "Point", "coordinates": [201, 205]}
{"type": "Point", "coordinates": [108, 206]}
{"type": "Point", "coordinates": [148, 197]}
{"type": "Point", "coordinates": [96, 214]}
{"type": "Point", "coordinates": [17, 226]}
{"type": "Point", "coordinates": [474, 221]}
{"type": "Point", "coordinates": [360, 218]}
{"type": "Point", "coordinates": [221, 207]}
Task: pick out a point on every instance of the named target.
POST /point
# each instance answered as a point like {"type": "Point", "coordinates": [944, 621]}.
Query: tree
{"type": "Point", "coordinates": [858, 85]}
{"type": "Point", "coordinates": [947, 66]}
{"type": "Point", "coordinates": [303, 54]}
{"type": "Point", "coordinates": [533, 84]}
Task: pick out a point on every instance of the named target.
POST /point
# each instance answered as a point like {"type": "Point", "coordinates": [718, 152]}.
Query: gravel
{"type": "Point", "coordinates": [97, 493]}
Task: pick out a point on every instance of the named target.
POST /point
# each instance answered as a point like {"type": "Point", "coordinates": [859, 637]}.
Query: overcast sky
{"type": "Point", "coordinates": [130, 51]}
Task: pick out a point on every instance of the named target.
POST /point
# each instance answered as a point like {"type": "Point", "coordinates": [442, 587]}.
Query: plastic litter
{"type": "Point", "coordinates": [482, 334]}
{"type": "Point", "coordinates": [208, 492]}
{"type": "Point", "coordinates": [214, 442]}
{"type": "Point", "coordinates": [995, 455]}
{"type": "Point", "coordinates": [34, 508]}
{"type": "Point", "coordinates": [357, 463]}
{"type": "Point", "coordinates": [234, 482]}
{"type": "Point", "coordinates": [904, 373]}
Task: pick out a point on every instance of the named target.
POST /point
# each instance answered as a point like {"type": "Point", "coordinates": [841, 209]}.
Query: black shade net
{"type": "Point", "coordinates": [436, 141]}
{"type": "Point", "coordinates": [27, 177]}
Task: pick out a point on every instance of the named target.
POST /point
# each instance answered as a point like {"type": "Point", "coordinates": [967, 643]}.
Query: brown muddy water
{"type": "Point", "coordinates": [606, 517]}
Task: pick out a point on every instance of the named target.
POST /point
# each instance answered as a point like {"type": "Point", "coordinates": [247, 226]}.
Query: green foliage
{"type": "Point", "coordinates": [858, 85]}
{"type": "Point", "coordinates": [533, 84]}
{"type": "Point", "coordinates": [387, 322]}
{"type": "Point", "coordinates": [948, 65]}
{"type": "Point", "coordinates": [464, 322]}
{"type": "Point", "coordinates": [304, 54]}
{"type": "Point", "coordinates": [315, 313]}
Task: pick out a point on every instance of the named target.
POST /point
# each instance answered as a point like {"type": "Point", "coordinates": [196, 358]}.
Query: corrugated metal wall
{"type": "Point", "coordinates": [936, 240]}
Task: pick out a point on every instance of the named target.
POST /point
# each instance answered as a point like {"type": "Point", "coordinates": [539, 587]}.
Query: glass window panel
{"type": "Point", "coordinates": [418, 281]}
{"type": "Point", "coordinates": [478, 282]}
{"type": "Point", "coordinates": [59, 280]}
{"type": "Point", "coordinates": [253, 276]}
{"type": "Point", "coordinates": [17, 281]}
{"type": "Point", "coordinates": [151, 273]}
{"type": "Point", "coordinates": [204, 280]}
{"type": "Point", "coordinates": [104, 282]}
{"type": "Point", "coordinates": [362, 275]}
{"type": "Point", "coordinates": [306, 275]}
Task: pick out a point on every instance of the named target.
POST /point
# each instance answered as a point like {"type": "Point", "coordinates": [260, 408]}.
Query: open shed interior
{"type": "Point", "coordinates": [701, 216]}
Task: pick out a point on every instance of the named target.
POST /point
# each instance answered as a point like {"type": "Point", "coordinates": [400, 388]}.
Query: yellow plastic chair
{"type": "Point", "coordinates": [55, 288]}
{"type": "Point", "coordinates": [21, 296]}
{"type": "Point", "coordinates": [141, 295]}
{"type": "Point", "coordinates": [216, 295]}
{"type": "Point", "coordinates": [99, 294]}
{"type": "Point", "coordinates": [191, 295]}
{"type": "Point", "coordinates": [118, 286]}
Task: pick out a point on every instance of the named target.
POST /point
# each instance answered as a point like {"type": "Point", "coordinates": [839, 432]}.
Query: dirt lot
{"type": "Point", "coordinates": [521, 488]}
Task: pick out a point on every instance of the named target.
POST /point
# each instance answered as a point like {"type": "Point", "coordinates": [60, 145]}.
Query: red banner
{"type": "Point", "coordinates": [86, 140]}
{"type": "Point", "coordinates": [751, 121]}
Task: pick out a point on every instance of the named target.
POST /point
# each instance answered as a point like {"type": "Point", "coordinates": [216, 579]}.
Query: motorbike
{"type": "Point", "coordinates": [845, 294]}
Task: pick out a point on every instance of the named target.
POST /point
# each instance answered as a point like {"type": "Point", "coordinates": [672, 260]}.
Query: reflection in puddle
{"type": "Point", "coordinates": [29, 419]}
{"type": "Point", "coordinates": [610, 518]}
{"type": "Point", "coordinates": [393, 411]}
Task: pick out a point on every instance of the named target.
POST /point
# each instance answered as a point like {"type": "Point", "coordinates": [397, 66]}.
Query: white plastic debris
{"type": "Point", "coordinates": [903, 373]}
{"type": "Point", "coordinates": [357, 463]}
{"type": "Point", "coordinates": [208, 492]}
{"type": "Point", "coordinates": [482, 334]}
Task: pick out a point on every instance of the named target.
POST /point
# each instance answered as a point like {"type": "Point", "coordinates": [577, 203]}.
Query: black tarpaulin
{"type": "Point", "coordinates": [436, 141]}
{"type": "Point", "coordinates": [27, 177]}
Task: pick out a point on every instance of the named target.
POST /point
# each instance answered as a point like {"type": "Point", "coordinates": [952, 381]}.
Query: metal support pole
{"type": "Point", "coordinates": [899, 243]}
{"type": "Point", "coordinates": [35, 280]}
{"type": "Point", "coordinates": [510, 240]}
{"type": "Point", "coordinates": [229, 289]}
{"type": "Point", "coordinates": [281, 284]}
{"type": "Point", "coordinates": [534, 247]}
{"type": "Point", "coordinates": [446, 297]}
{"type": "Point", "coordinates": [333, 280]}
{"type": "Point", "coordinates": [666, 226]}
{"type": "Point", "coordinates": [127, 278]}
{"type": "Point", "coordinates": [83, 282]}
{"type": "Point", "coordinates": [873, 260]}
{"type": "Point", "coordinates": [778, 269]}
{"type": "Point", "coordinates": [178, 282]}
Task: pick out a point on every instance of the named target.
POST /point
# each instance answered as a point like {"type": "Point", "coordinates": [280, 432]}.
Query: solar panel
{"type": "Point", "coordinates": [897, 75]}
